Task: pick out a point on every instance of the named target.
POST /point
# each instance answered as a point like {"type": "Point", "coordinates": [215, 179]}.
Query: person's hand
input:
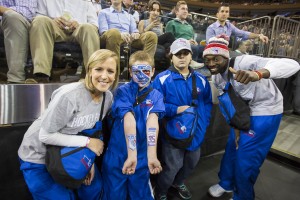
{"type": "Point", "coordinates": [126, 37]}
{"type": "Point", "coordinates": [3, 9]}
{"type": "Point", "coordinates": [96, 145]}
{"type": "Point", "coordinates": [263, 38]}
{"type": "Point", "coordinates": [73, 25]}
{"type": "Point", "coordinates": [89, 178]}
{"type": "Point", "coordinates": [154, 165]}
{"type": "Point", "coordinates": [130, 165]}
{"type": "Point", "coordinates": [60, 22]}
{"type": "Point", "coordinates": [181, 109]}
{"type": "Point", "coordinates": [237, 138]}
{"type": "Point", "coordinates": [135, 36]}
{"type": "Point", "coordinates": [193, 42]}
{"type": "Point", "coordinates": [244, 76]}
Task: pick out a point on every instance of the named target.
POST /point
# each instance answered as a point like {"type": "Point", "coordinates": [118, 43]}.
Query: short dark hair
{"type": "Point", "coordinates": [223, 5]}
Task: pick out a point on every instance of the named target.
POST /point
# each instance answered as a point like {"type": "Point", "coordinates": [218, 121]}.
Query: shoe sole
{"type": "Point", "coordinates": [226, 191]}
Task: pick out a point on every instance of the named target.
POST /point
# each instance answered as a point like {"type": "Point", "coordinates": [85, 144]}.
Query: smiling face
{"type": "Point", "coordinates": [215, 63]}
{"type": "Point", "coordinates": [182, 12]}
{"type": "Point", "coordinates": [103, 74]}
{"type": "Point", "coordinates": [154, 11]}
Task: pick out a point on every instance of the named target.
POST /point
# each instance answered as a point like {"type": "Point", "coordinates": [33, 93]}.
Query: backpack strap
{"type": "Point", "coordinates": [194, 91]}
{"type": "Point", "coordinates": [142, 97]}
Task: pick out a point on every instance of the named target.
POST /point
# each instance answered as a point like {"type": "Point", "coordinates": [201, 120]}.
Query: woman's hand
{"type": "Point", "coordinates": [96, 145]}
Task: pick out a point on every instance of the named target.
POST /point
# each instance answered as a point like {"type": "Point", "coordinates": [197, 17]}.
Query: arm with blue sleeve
{"type": "Point", "coordinates": [102, 22]}
{"type": "Point", "coordinates": [123, 109]}
{"type": "Point", "coordinates": [171, 109]}
{"type": "Point", "coordinates": [207, 98]}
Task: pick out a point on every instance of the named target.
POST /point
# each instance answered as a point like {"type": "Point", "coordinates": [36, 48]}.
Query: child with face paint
{"type": "Point", "coordinates": [131, 152]}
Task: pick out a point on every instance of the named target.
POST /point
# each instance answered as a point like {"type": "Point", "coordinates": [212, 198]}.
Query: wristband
{"type": "Point", "coordinates": [259, 74]}
{"type": "Point", "coordinates": [87, 141]}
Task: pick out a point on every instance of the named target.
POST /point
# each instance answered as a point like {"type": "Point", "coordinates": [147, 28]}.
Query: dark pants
{"type": "Point", "coordinates": [177, 165]}
{"type": "Point", "coordinates": [296, 93]}
{"type": "Point", "coordinates": [166, 39]}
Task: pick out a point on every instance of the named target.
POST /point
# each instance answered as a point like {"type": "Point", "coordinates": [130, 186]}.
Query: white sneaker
{"type": "Point", "coordinates": [217, 190]}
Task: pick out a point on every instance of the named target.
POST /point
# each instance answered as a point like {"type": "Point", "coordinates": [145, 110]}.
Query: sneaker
{"type": "Point", "coordinates": [217, 190]}
{"type": "Point", "coordinates": [38, 78]}
{"type": "Point", "coordinates": [161, 197]}
{"type": "Point", "coordinates": [196, 65]}
{"type": "Point", "coordinates": [183, 191]}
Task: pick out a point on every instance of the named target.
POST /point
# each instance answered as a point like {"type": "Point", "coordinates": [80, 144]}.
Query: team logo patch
{"type": "Point", "coordinates": [86, 162]}
{"type": "Point", "coordinates": [181, 128]}
{"type": "Point", "coordinates": [250, 133]}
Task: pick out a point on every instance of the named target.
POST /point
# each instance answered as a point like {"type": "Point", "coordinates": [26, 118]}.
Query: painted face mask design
{"type": "Point", "coordinates": [141, 74]}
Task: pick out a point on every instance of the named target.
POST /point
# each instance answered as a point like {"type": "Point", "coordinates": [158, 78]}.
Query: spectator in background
{"type": "Point", "coordinates": [244, 47]}
{"type": "Point", "coordinates": [180, 28]}
{"type": "Point", "coordinates": [128, 6]}
{"type": "Point", "coordinates": [61, 21]}
{"type": "Point", "coordinates": [154, 24]}
{"type": "Point", "coordinates": [222, 26]}
{"type": "Point", "coordinates": [15, 24]}
{"type": "Point", "coordinates": [116, 27]}
{"type": "Point", "coordinates": [97, 5]}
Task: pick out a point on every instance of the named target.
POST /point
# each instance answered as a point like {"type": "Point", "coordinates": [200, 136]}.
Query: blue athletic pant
{"type": "Point", "coordinates": [240, 168]}
{"type": "Point", "coordinates": [42, 186]}
{"type": "Point", "coordinates": [118, 186]}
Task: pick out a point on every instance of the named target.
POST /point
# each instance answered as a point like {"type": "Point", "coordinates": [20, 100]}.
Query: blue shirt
{"type": "Point", "coordinates": [216, 29]}
{"type": "Point", "coordinates": [27, 8]}
{"type": "Point", "coordinates": [110, 18]}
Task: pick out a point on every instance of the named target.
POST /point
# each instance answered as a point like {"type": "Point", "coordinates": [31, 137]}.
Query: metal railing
{"type": "Point", "coordinates": [257, 25]}
{"type": "Point", "coordinates": [285, 39]}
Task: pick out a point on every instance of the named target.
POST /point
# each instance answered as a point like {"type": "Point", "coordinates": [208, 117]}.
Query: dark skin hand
{"type": "Point", "coordinates": [245, 76]}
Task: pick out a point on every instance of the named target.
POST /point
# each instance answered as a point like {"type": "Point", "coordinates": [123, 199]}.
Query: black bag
{"type": "Point", "coordinates": [235, 110]}
{"type": "Point", "coordinates": [180, 129]}
{"type": "Point", "coordinates": [69, 166]}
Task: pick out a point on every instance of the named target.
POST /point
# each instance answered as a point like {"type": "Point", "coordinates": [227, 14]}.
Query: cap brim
{"type": "Point", "coordinates": [179, 49]}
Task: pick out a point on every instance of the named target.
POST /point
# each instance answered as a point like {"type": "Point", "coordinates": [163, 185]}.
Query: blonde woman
{"type": "Point", "coordinates": [73, 108]}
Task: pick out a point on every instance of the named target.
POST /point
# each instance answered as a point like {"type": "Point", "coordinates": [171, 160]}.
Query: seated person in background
{"type": "Point", "coordinates": [154, 24]}
{"type": "Point", "coordinates": [243, 48]}
{"type": "Point", "coordinates": [222, 26]}
{"type": "Point", "coordinates": [128, 6]}
{"type": "Point", "coordinates": [15, 23]}
{"type": "Point", "coordinates": [61, 21]}
{"type": "Point", "coordinates": [97, 5]}
{"type": "Point", "coordinates": [180, 28]}
{"type": "Point", "coordinates": [73, 107]}
{"type": "Point", "coordinates": [116, 27]}
{"type": "Point", "coordinates": [131, 154]}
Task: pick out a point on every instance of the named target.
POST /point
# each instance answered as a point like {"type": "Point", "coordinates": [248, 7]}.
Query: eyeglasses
{"type": "Point", "coordinates": [182, 52]}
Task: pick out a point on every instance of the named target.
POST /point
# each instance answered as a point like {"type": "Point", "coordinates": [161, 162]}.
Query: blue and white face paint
{"type": "Point", "coordinates": [141, 74]}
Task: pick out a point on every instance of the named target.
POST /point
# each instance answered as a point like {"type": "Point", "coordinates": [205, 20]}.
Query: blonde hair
{"type": "Point", "coordinates": [100, 56]}
{"type": "Point", "coordinates": [141, 56]}
{"type": "Point", "coordinates": [179, 3]}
